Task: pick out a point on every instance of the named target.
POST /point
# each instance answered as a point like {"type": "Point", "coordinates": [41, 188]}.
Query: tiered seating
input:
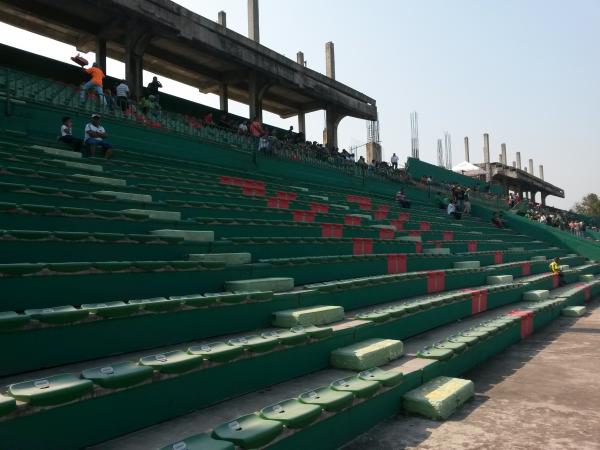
{"type": "Point", "coordinates": [140, 290]}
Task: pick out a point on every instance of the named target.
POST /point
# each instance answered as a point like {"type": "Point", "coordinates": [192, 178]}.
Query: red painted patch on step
{"type": "Point", "coordinates": [472, 246]}
{"type": "Point", "coordinates": [436, 281]}
{"type": "Point", "coordinates": [384, 233]}
{"type": "Point", "coordinates": [448, 236]}
{"type": "Point", "coordinates": [396, 263]}
{"type": "Point", "coordinates": [362, 246]}
{"type": "Point", "coordinates": [525, 268]}
{"type": "Point", "coordinates": [498, 257]}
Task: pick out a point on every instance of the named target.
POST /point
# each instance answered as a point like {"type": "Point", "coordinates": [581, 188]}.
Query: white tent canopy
{"type": "Point", "coordinates": [468, 169]}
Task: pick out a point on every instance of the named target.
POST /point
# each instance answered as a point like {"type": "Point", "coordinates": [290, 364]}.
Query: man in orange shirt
{"type": "Point", "coordinates": [95, 83]}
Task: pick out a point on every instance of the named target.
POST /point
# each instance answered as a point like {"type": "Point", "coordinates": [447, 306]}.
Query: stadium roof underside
{"type": "Point", "coordinates": [521, 181]}
{"type": "Point", "coordinates": [174, 42]}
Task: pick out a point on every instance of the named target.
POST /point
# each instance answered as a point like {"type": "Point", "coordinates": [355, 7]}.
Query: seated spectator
{"type": "Point", "coordinates": [497, 220]}
{"type": "Point", "coordinates": [95, 83]}
{"type": "Point", "coordinates": [208, 120]}
{"type": "Point", "coordinates": [402, 199]}
{"type": "Point", "coordinates": [256, 128]}
{"type": "Point", "coordinates": [441, 201]}
{"type": "Point", "coordinates": [452, 211]}
{"type": "Point", "coordinates": [243, 128]}
{"type": "Point", "coordinates": [150, 107]}
{"type": "Point", "coordinates": [95, 137]}
{"type": "Point", "coordinates": [394, 161]}
{"type": "Point", "coordinates": [459, 198]}
{"type": "Point", "coordinates": [555, 268]}
{"type": "Point", "coordinates": [122, 95]}
{"type": "Point", "coordinates": [66, 134]}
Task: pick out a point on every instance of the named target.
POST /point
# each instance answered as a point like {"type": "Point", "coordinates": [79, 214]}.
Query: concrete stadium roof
{"type": "Point", "coordinates": [189, 48]}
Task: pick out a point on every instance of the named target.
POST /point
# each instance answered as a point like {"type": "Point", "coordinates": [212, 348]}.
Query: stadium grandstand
{"type": "Point", "coordinates": [219, 283]}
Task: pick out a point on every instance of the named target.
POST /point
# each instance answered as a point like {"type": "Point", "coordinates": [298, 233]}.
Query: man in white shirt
{"type": "Point", "coordinates": [123, 95]}
{"type": "Point", "coordinates": [95, 137]}
{"type": "Point", "coordinates": [452, 211]}
{"type": "Point", "coordinates": [394, 161]}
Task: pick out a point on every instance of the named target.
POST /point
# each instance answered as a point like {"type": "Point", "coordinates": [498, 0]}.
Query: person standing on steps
{"type": "Point", "coordinates": [95, 83]}
{"type": "Point", "coordinates": [555, 269]}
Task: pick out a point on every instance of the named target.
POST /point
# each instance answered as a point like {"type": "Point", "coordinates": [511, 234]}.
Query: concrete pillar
{"type": "Point", "coordinates": [300, 58]}
{"type": "Point", "coordinates": [518, 160]}
{"type": "Point", "coordinates": [504, 159]}
{"type": "Point", "coordinates": [514, 164]}
{"type": "Point", "coordinates": [525, 169]}
{"type": "Point", "coordinates": [302, 123]}
{"type": "Point", "coordinates": [253, 27]}
{"type": "Point", "coordinates": [330, 60]}
{"type": "Point", "coordinates": [332, 120]}
{"type": "Point", "coordinates": [223, 97]}
{"type": "Point", "coordinates": [543, 199]}
{"type": "Point", "coordinates": [373, 152]}
{"type": "Point", "coordinates": [541, 171]}
{"type": "Point", "coordinates": [467, 149]}
{"type": "Point", "coordinates": [101, 53]}
{"type": "Point", "coordinates": [222, 18]}
{"type": "Point", "coordinates": [257, 86]}
{"type": "Point", "coordinates": [137, 39]}
{"type": "Point", "coordinates": [531, 166]}
{"type": "Point", "coordinates": [254, 101]}
{"type": "Point", "coordinates": [486, 156]}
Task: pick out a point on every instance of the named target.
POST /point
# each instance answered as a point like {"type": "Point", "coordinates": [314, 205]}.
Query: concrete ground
{"type": "Point", "coordinates": [542, 393]}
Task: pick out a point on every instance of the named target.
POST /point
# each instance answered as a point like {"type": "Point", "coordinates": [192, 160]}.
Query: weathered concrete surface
{"type": "Point", "coordinates": [541, 393]}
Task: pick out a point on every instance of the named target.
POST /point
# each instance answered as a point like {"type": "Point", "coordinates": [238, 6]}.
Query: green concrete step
{"type": "Point", "coordinates": [536, 295]}
{"type": "Point", "coordinates": [201, 441]}
{"type": "Point", "coordinates": [275, 284]}
{"type": "Point", "coordinates": [187, 235]}
{"type": "Point", "coordinates": [439, 398]}
{"type": "Point", "coordinates": [573, 311]}
{"type": "Point", "coordinates": [315, 315]}
{"type": "Point", "coordinates": [230, 259]}
{"type": "Point", "coordinates": [367, 354]}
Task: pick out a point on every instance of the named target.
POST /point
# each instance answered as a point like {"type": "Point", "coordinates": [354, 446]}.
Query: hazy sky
{"type": "Point", "coordinates": [525, 71]}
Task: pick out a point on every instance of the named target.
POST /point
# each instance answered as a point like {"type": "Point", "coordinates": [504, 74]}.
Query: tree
{"type": "Point", "coordinates": [588, 206]}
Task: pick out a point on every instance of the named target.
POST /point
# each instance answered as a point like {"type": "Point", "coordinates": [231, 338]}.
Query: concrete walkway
{"type": "Point", "coordinates": [543, 393]}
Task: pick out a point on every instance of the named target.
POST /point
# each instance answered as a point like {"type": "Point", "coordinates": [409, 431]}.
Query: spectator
{"type": "Point", "coordinates": [95, 83]}
{"type": "Point", "coordinates": [459, 195]}
{"type": "Point", "coordinates": [256, 129]}
{"type": "Point", "coordinates": [452, 211]}
{"type": "Point", "coordinates": [122, 91]}
{"type": "Point", "coordinates": [243, 128]}
{"type": "Point", "coordinates": [153, 88]}
{"type": "Point", "coordinates": [208, 120]}
{"type": "Point", "coordinates": [110, 101]}
{"type": "Point", "coordinates": [95, 135]}
{"type": "Point", "coordinates": [555, 268]}
{"type": "Point", "coordinates": [467, 202]}
{"type": "Point", "coordinates": [66, 134]}
{"type": "Point", "coordinates": [497, 221]}
{"type": "Point", "coordinates": [264, 143]}
{"type": "Point", "coordinates": [394, 161]}
{"type": "Point", "coordinates": [442, 202]}
{"type": "Point", "coordinates": [402, 199]}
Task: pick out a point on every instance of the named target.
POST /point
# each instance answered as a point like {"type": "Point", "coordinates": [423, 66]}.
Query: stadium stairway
{"type": "Point", "coordinates": [150, 290]}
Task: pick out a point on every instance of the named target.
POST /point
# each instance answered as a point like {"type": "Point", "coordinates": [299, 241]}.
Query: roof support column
{"type": "Point", "coordinates": [257, 86]}
{"type": "Point", "coordinates": [544, 195]}
{"type": "Point", "coordinates": [101, 53]}
{"type": "Point", "coordinates": [136, 42]}
{"type": "Point", "coordinates": [332, 120]}
{"type": "Point", "coordinates": [302, 123]}
{"type": "Point", "coordinates": [223, 97]}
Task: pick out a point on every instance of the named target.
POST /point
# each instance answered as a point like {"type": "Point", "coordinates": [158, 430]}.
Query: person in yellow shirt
{"type": "Point", "coordinates": [95, 83]}
{"type": "Point", "coordinates": [555, 268]}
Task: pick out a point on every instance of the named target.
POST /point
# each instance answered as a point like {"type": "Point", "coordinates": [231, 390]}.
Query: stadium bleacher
{"type": "Point", "coordinates": [156, 301]}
